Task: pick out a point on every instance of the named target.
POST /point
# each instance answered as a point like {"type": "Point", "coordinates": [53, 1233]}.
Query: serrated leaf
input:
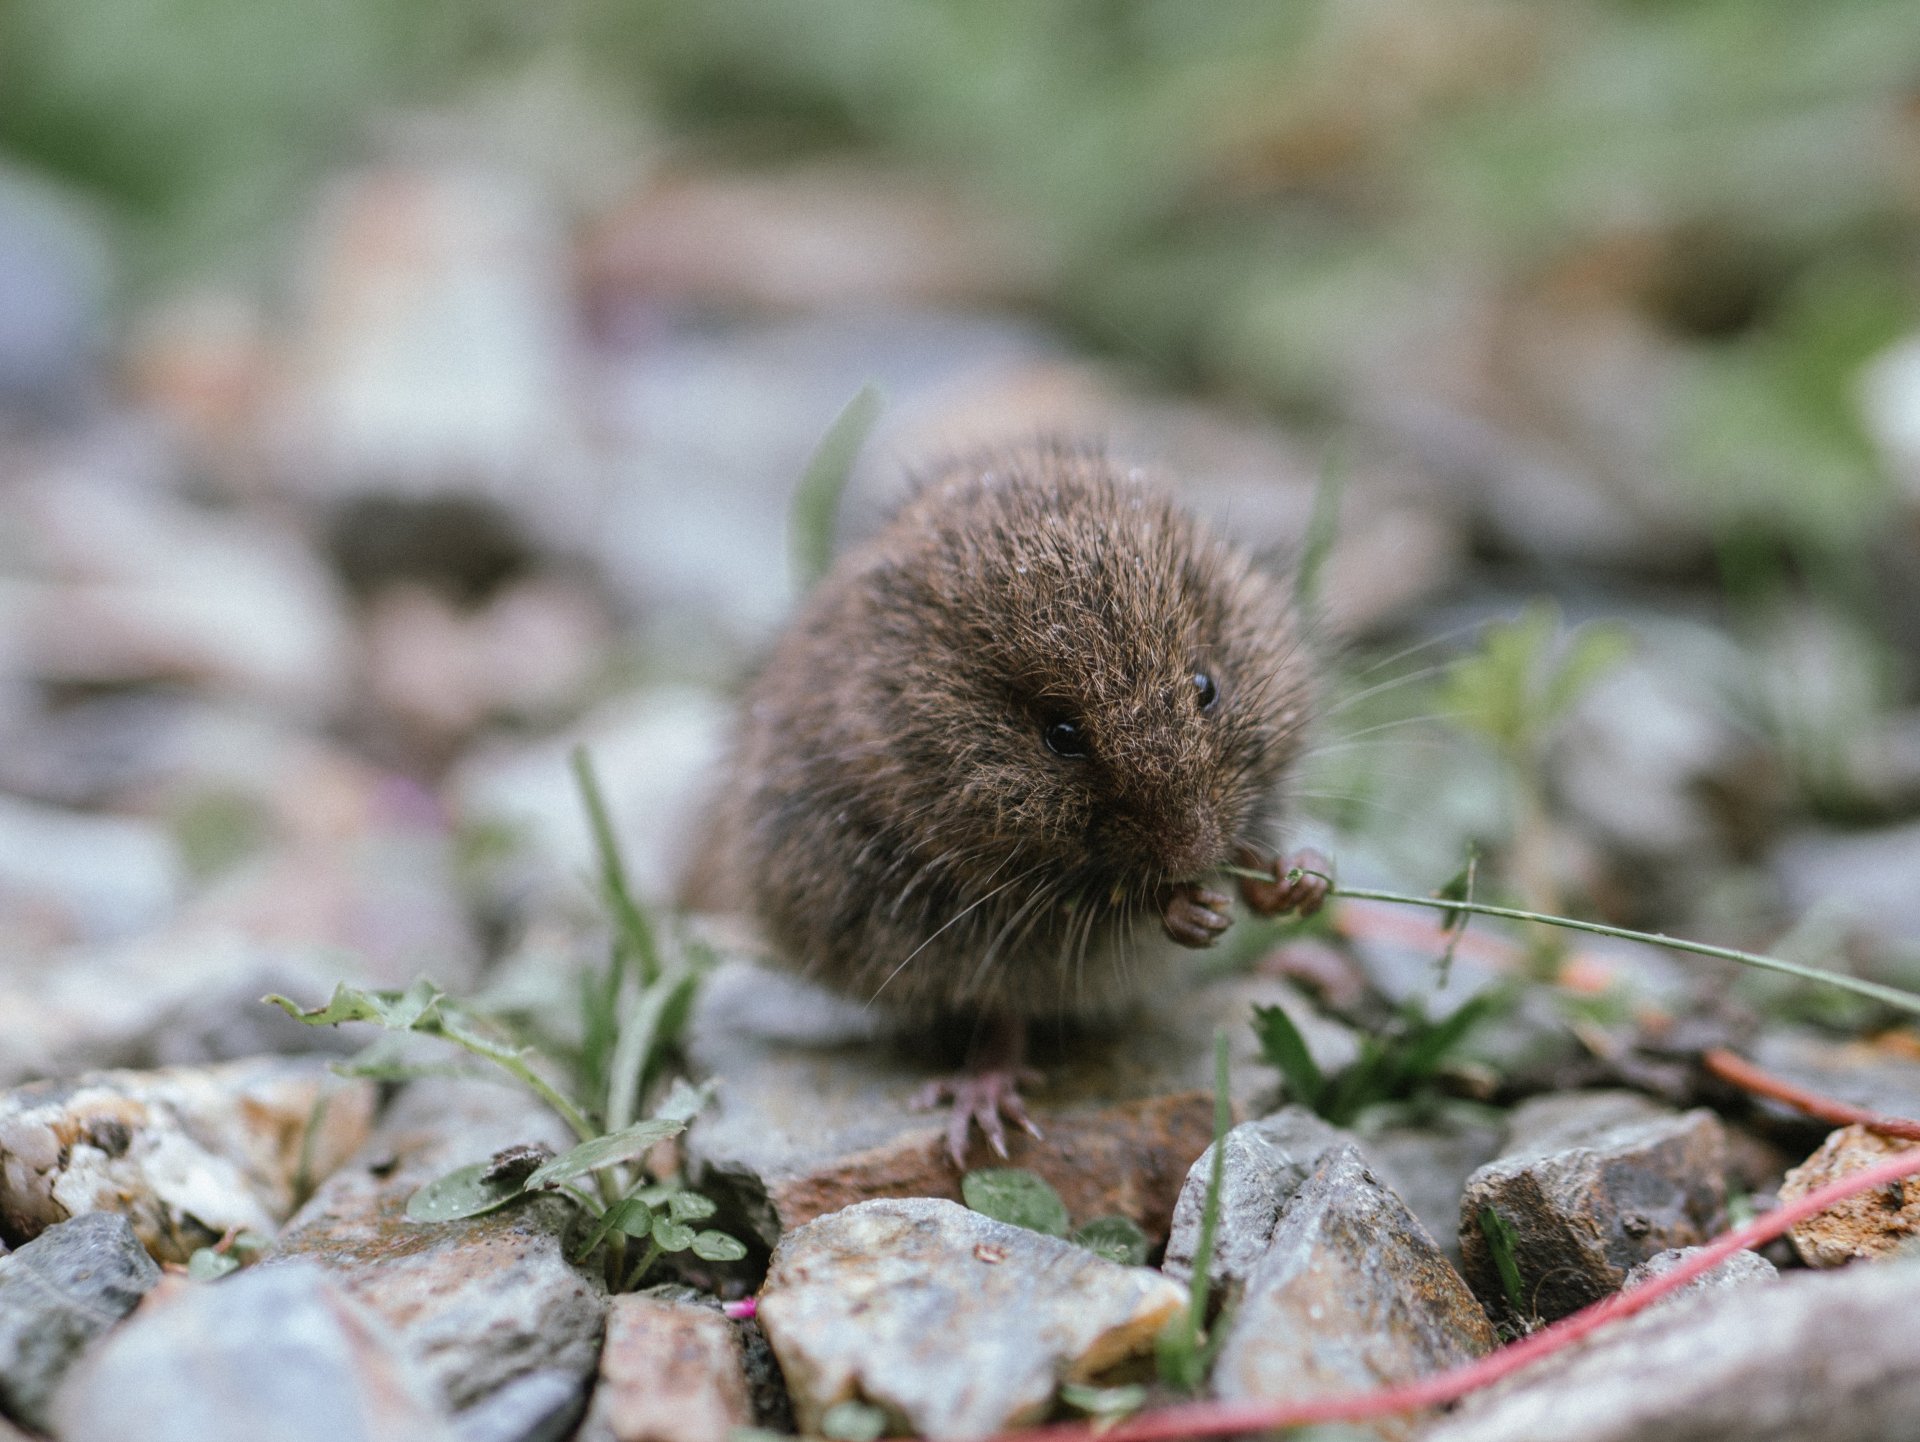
{"type": "Point", "coordinates": [672, 1236]}
{"type": "Point", "coordinates": [1284, 1049]}
{"type": "Point", "coordinates": [207, 1265]}
{"type": "Point", "coordinates": [1115, 1238]}
{"type": "Point", "coordinates": [852, 1421]}
{"type": "Point", "coordinates": [711, 1246]}
{"type": "Point", "coordinates": [690, 1207]}
{"type": "Point", "coordinates": [1018, 1197]}
{"type": "Point", "coordinates": [610, 1150]}
{"type": "Point", "coordinates": [464, 1192]}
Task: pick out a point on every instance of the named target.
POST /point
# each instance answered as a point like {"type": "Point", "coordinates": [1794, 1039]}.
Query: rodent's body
{"type": "Point", "coordinates": [997, 735]}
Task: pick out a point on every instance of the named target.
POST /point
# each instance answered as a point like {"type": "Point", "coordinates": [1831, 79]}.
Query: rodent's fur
{"type": "Point", "coordinates": [890, 810]}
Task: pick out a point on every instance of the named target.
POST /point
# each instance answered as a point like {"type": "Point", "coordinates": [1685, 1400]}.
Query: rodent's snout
{"type": "Point", "coordinates": [1163, 843]}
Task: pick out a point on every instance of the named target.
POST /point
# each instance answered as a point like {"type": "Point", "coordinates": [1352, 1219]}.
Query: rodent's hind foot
{"type": "Point", "coordinates": [1192, 915]}
{"type": "Point", "coordinates": [1303, 894]}
{"type": "Point", "coordinates": [989, 1099]}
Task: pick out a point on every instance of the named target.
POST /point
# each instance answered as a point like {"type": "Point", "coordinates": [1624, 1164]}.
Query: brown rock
{"type": "Point", "coordinates": [1874, 1224]}
{"type": "Point", "coordinates": [670, 1371]}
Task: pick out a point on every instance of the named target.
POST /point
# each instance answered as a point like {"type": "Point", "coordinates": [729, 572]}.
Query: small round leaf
{"type": "Point", "coordinates": [1115, 1238]}
{"type": "Point", "coordinates": [672, 1236]}
{"type": "Point", "coordinates": [713, 1246]}
{"type": "Point", "coordinates": [207, 1265]}
{"type": "Point", "coordinates": [1018, 1197]}
{"type": "Point", "coordinates": [852, 1421]}
{"type": "Point", "coordinates": [690, 1207]}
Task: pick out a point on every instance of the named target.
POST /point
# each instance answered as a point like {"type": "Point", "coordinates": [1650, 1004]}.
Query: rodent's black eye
{"type": "Point", "coordinates": [1064, 738]}
{"type": "Point", "coordinates": [1204, 690]}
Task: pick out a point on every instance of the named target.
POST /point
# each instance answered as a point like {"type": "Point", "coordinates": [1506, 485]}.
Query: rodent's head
{"type": "Point", "coordinates": [1070, 679]}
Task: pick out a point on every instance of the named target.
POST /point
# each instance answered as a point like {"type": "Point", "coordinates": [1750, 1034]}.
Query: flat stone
{"type": "Point", "coordinates": [953, 1324]}
{"type": "Point", "coordinates": [185, 1153]}
{"type": "Point", "coordinates": [1875, 1224]}
{"type": "Point", "coordinates": [274, 1352]}
{"type": "Point", "coordinates": [1873, 1076]}
{"type": "Point", "coordinates": [814, 1111]}
{"type": "Point", "coordinates": [1265, 1163]}
{"type": "Point", "coordinates": [57, 1293]}
{"type": "Point", "coordinates": [478, 1303]}
{"type": "Point", "coordinates": [1350, 1294]}
{"type": "Point", "coordinates": [1592, 1183]}
{"type": "Point", "coordinates": [670, 1371]}
{"type": "Point", "coordinates": [1742, 1269]}
{"type": "Point", "coordinates": [1826, 1355]}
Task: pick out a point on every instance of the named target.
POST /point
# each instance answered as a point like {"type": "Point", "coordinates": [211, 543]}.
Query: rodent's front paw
{"type": "Point", "coordinates": [1303, 894]}
{"type": "Point", "coordinates": [1192, 915]}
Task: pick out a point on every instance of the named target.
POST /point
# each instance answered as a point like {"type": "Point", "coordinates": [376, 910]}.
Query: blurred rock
{"type": "Point", "coordinates": [1742, 1269]}
{"type": "Point", "coordinates": [953, 1324]}
{"type": "Point", "coordinates": [202, 360]}
{"type": "Point", "coordinates": [437, 353]}
{"type": "Point", "coordinates": [70, 877]}
{"type": "Point", "coordinates": [539, 1406]}
{"type": "Point", "coordinates": [57, 1294]}
{"type": "Point", "coordinates": [273, 1352]}
{"type": "Point", "coordinates": [1351, 1294]}
{"type": "Point", "coordinates": [814, 1110]}
{"type": "Point", "coordinates": [652, 752]}
{"type": "Point", "coordinates": [820, 236]}
{"type": "Point", "coordinates": [53, 299]}
{"type": "Point", "coordinates": [1863, 880]}
{"type": "Point", "coordinates": [1880, 1223]}
{"type": "Point", "coordinates": [1591, 1184]}
{"type": "Point", "coordinates": [1881, 1076]}
{"type": "Point", "coordinates": [1265, 1163]}
{"type": "Point", "coordinates": [1808, 1355]}
{"type": "Point", "coordinates": [1427, 1167]}
{"type": "Point", "coordinates": [121, 583]}
{"type": "Point", "coordinates": [670, 1371]}
{"type": "Point", "coordinates": [480, 1303]}
{"type": "Point", "coordinates": [185, 1153]}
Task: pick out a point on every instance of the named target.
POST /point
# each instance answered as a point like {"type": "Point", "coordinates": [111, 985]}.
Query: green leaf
{"type": "Point", "coordinates": [1323, 528]}
{"type": "Point", "coordinates": [1594, 651]}
{"type": "Point", "coordinates": [684, 1102]}
{"type": "Point", "coordinates": [672, 1236]}
{"type": "Point", "coordinates": [463, 1192]}
{"type": "Point", "coordinates": [1283, 1048]}
{"type": "Point", "coordinates": [690, 1207]}
{"type": "Point", "coordinates": [607, 1151]}
{"type": "Point", "coordinates": [630, 920]}
{"type": "Point", "coordinates": [1105, 1403]}
{"type": "Point", "coordinates": [629, 1215]}
{"type": "Point", "coordinates": [1018, 1197]}
{"type": "Point", "coordinates": [395, 1010]}
{"type": "Point", "coordinates": [816, 499]}
{"type": "Point", "coordinates": [207, 1265]}
{"type": "Point", "coordinates": [1115, 1238]}
{"type": "Point", "coordinates": [1501, 1240]}
{"type": "Point", "coordinates": [711, 1246]}
{"type": "Point", "coordinates": [852, 1421]}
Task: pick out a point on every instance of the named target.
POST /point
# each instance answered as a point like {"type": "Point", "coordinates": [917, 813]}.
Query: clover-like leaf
{"type": "Point", "coordinates": [690, 1207]}
{"type": "Point", "coordinates": [610, 1150]}
{"type": "Point", "coordinates": [711, 1246]}
{"type": "Point", "coordinates": [464, 1192]}
{"type": "Point", "coordinates": [672, 1236]}
{"type": "Point", "coordinates": [1115, 1238]}
{"type": "Point", "coordinates": [1016, 1196]}
{"type": "Point", "coordinates": [207, 1265]}
{"type": "Point", "coordinates": [629, 1215]}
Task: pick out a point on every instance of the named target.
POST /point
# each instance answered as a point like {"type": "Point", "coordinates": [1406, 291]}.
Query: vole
{"type": "Point", "coordinates": [1000, 750]}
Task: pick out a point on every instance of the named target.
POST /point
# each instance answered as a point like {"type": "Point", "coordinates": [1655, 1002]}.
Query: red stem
{"type": "Point", "coordinates": [1214, 1419]}
{"type": "Point", "coordinates": [1744, 1074]}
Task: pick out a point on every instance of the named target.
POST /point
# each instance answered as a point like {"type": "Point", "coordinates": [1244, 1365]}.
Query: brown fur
{"type": "Point", "coordinates": [890, 810]}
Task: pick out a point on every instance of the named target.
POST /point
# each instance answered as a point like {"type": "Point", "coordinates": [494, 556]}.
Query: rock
{"type": "Point", "coordinates": [543, 1406]}
{"type": "Point", "coordinates": [68, 877]}
{"type": "Point", "coordinates": [57, 1293]}
{"type": "Point", "coordinates": [670, 1371]}
{"type": "Point", "coordinates": [54, 275]}
{"type": "Point", "coordinates": [1427, 1167]}
{"type": "Point", "coordinates": [437, 352]}
{"type": "Point", "coordinates": [1809, 1355]}
{"type": "Point", "coordinates": [1862, 878]}
{"type": "Point", "coordinates": [955, 1325]}
{"type": "Point", "coordinates": [1592, 1183]}
{"type": "Point", "coordinates": [479, 1303]}
{"type": "Point", "coordinates": [815, 1109]}
{"type": "Point", "coordinates": [1876, 1224]}
{"type": "Point", "coordinates": [1266, 1162]}
{"type": "Point", "coordinates": [1350, 1294]}
{"type": "Point", "coordinates": [1742, 1269]}
{"type": "Point", "coordinates": [272, 1352]}
{"type": "Point", "coordinates": [185, 1153]}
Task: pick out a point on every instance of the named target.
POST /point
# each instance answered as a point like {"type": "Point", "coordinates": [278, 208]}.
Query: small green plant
{"type": "Point", "coordinates": [815, 508]}
{"type": "Point", "coordinates": [1187, 1346]}
{"type": "Point", "coordinates": [1397, 1062]}
{"type": "Point", "coordinates": [633, 1009]}
{"type": "Point", "coordinates": [1501, 1242]}
{"type": "Point", "coordinates": [1021, 1199]}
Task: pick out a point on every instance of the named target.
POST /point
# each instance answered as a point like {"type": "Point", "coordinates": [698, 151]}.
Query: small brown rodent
{"type": "Point", "coordinates": [1033, 714]}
